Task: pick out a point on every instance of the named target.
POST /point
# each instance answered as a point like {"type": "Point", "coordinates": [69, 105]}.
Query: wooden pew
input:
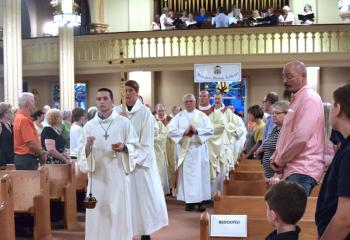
{"type": "Point", "coordinates": [63, 187]}
{"type": "Point", "coordinates": [31, 195]}
{"type": "Point", "coordinates": [81, 178]}
{"type": "Point", "coordinates": [252, 167]}
{"type": "Point", "coordinates": [255, 208]}
{"type": "Point", "coordinates": [247, 175]}
{"type": "Point", "coordinates": [244, 188]}
{"type": "Point", "coordinates": [7, 223]}
{"type": "Point", "coordinates": [10, 167]}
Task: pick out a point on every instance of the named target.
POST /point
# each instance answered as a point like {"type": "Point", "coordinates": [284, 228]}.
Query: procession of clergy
{"type": "Point", "coordinates": [135, 158]}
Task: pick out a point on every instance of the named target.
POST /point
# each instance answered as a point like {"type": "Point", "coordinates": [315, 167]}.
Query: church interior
{"type": "Point", "coordinates": [64, 64]}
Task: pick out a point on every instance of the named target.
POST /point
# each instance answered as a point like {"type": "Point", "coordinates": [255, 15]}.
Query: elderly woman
{"type": "Point", "coordinates": [308, 15]}
{"type": "Point", "coordinates": [52, 140]}
{"type": "Point", "coordinates": [6, 135]}
{"type": "Point", "coordinates": [287, 18]}
{"type": "Point", "coordinates": [279, 111]}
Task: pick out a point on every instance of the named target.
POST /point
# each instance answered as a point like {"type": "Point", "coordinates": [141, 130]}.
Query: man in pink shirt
{"type": "Point", "coordinates": [300, 146]}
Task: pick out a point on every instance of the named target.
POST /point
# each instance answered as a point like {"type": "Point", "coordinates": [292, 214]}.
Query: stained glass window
{"type": "Point", "coordinates": [80, 95]}
{"type": "Point", "coordinates": [233, 93]}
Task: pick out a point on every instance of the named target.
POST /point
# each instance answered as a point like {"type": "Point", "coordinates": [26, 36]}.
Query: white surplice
{"type": "Point", "coordinates": [193, 185]}
{"type": "Point", "coordinates": [160, 141]}
{"type": "Point", "coordinates": [111, 219]}
{"type": "Point", "coordinates": [149, 212]}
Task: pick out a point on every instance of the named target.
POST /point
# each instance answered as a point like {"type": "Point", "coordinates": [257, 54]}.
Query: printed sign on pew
{"type": "Point", "coordinates": [228, 226]}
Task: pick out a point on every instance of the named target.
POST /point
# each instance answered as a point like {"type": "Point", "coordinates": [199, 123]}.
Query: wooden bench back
{"type": "Point", "coordinates": [26, 186]}
{"type": "Point", "coordinates": [249, 162]}
{"type": "Point", "coordinates": [251, 167]}
{"type": "Point", "coordinates": [247, 175]}
{"type": "Point", "coordinates": [246, 188]}
{"type": "Point", "coordinates": [60, 175]}
{"type": "Point", "coordinates": [10, 167]}
{"type": "Point", "coordinates": [7, 226]}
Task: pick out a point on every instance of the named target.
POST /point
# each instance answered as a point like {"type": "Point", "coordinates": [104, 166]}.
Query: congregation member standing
{"type": "Point", "coordinates": [109, 167]}
{"type": "Point", "coordinates": [38, 117]}
{"type": "Point", "coordinates": [190, 129]}
{"type": "Point", "coordinates": [300, 146]}
{"type": "Point", "coordinates": [215, 143]}
{"type": "Point", "coordinates": [149, 212]}
{"type": "Point", "coordinates": [78, 121]}
{"type": "Point", "coordinates": [333, 204]}
{"type": "Point", "coordinates": [6, 135]}
{"type": "Point", "coordinates": [27, 148]}
{"type": "Point", "coordinates": [52, 140]}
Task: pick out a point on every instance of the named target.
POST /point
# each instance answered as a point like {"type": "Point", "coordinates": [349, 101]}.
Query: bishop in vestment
{"type": "Point", "coordinates": [190, 129]}
{"type": "Point", "coordinates": [109, 169]}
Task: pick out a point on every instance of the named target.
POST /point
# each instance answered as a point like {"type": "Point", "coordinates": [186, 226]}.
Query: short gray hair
{"type": "Point", "coordinates": [283, 105]}
{"type": "Point", "coordinates": [4, 108]}
{"type": "Point", "coordinates": [159, 105]}
{"type": "Point", "coordinates": [188, 95]}
{"type": "Point", "coordinates": [24, 97]}
{"type": "Point", "coordinates": [66, 113]}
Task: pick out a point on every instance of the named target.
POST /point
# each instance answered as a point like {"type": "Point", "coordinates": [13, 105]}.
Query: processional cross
{"type": "Point", "coordinates": [123, 78]}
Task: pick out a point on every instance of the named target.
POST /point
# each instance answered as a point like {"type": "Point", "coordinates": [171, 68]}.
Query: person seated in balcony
{"type": "Point", "coordinates": [184, 16]}
{"type": "Point", "coordinates": [175, 22]}
{"type": "Point", "coordinates": [254, 20]}
{"type": "Point", "coordinates": [221, 19]}
{"type": "Point", "coordinates": [164, 24]}
{"type": "Point", "coordinates": [202, 17]}
{"type": "Point", "coordinates": [307, 18]}
{"type": "Point", "coordinates": [156, 23]}
{"type": "Point", "coordinates": [272, 18]}
{"type": "Point", "coordinates": [236, 13]}
{"type": "Point", "coordinates": [191, 23]}
{"type": "Point", "coordinates": [287, 18]}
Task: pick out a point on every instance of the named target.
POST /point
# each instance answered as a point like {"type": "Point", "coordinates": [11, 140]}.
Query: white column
{"type": "Point", "coordinates": [12, 50]}
{"type": "Point", "coordinates": [66, 68]}
{"type": "Point", "coordinates": [97, 16]}
{"type": "Point", "coordinates": [313, 78]}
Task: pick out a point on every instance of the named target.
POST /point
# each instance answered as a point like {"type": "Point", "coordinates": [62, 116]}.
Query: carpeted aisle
{"type": "Point", "coordinates": [182, 225]}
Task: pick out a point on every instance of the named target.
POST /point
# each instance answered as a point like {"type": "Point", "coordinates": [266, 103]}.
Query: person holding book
{"type": "Point", "coordinates": [307, 18]}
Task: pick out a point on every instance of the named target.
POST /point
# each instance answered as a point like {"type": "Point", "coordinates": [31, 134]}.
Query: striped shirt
{"type": "Point", "coordinates": [269, 147]}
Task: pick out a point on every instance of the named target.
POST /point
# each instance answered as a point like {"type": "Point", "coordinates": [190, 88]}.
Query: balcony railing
{"type": "Point", "coordinates": [188, 43]}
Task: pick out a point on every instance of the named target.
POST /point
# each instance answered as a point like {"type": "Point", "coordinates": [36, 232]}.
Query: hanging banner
{"type": "Point", "coordinates": [218, 72]}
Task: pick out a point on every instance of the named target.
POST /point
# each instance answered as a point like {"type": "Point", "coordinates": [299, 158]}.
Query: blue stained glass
{"type": "Point", "coordinates": [80, 95]}
{"type": "Point", "coordinates": [233, 93]}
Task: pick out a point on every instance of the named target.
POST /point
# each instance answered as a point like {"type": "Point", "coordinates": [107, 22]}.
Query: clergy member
{"type": "Point", "coordinates": [234, 132]}
{"type": "Point", "coordinates": [215, 143]}
{"type": "Point", "coordinates": [109, 168]}
{"type": "Point", "coordinates": [190, 129]}
{"type": "Point", "coordinates": [149, 209]}
{"type": "Point", "coordinates": [160, 140]}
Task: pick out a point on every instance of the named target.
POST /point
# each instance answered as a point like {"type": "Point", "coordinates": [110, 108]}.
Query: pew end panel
{"type": "Point", "coordinates": [63, 187]}
{"type": "Point", "coordinates": [7, 226]}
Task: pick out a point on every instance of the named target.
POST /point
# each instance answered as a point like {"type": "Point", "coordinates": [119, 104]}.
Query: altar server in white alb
{"type": "Point", "coordinates": [190, 129]}
{"type": "Point", "coordinates": [149, 212]}
{"type": "Point", "coordinates": [110, 170]}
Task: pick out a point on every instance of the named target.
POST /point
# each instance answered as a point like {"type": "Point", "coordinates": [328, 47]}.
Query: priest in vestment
{"type": "Point", "coordinates": [215, 144]}
{"type": "Point", "coordinates": [149, 212]}
{"type": "Point", "coordinates": [190, 129]}
{"type": "Point", "coordinates": [160, 140]}
{"type": "Point", "coordinates": [241, 142]}
{"type": "Point", "coordinates": [110, 170]}
{"type": "Point", "coordinates": [234, 132]}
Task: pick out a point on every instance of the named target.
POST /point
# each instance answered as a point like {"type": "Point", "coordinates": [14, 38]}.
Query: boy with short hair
{"type": "Point", "coordinates": [333, 203]}
{"type": "Point", "coordinates": [286, 203]}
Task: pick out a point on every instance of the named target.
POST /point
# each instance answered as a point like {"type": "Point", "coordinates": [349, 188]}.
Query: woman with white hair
{"type": "Point", "coordinates": [308, 15]}
{"type": "Point", "coordinates": [287, 18]}
{"type": "Point", "coordinates": [52, 140]}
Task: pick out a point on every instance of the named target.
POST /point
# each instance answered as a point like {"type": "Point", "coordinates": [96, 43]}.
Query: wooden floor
{"type": "Point", "coordinates": [182, 225]}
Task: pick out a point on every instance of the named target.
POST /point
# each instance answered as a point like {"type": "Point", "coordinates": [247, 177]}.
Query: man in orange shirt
{"type": "Point", "coordinates": [27, 146]}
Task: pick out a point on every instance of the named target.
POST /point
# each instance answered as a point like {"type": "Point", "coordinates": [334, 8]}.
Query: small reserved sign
{"type": "Point", "coordinates": [228, 226]}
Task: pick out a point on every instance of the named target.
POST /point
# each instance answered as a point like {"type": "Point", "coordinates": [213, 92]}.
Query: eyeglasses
{"type": "Point", "coordinates": [278, 113]}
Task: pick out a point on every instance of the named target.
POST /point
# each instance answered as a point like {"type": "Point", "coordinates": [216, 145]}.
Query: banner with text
{"type": "Point", "coordinates": [218, 72]}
